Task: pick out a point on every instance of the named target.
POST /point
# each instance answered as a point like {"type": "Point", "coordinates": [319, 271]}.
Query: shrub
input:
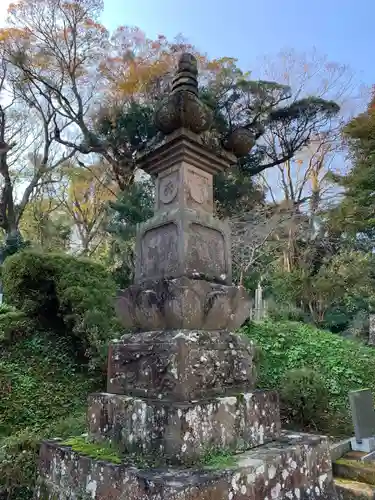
{"type": "Point", "coordinates": [305, 398]}
{"type": "Point", "coordinates": [42, 394]}
{"type": "Point", "coordinates": [14, 325]}
{"type": "Point", "coordinates": [344, 364]}
{"type": "Point", "coordinates": [19, 455]}
{"type": "Point", "coordinates": [71, 296]}
{"type": "Point", "coordinates": [282, 311]}
{"type": "Point", "coordinates": [6, 308]}
{"type": "Point", "coordinates": [39, 382]}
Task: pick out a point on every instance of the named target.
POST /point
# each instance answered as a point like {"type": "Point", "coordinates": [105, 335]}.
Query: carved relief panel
{"type": "Point", "coordinates": [159, 251]}
{"type": "Point", "coordinates": [183, 243]}
{"type": "Point", "coordinates": [184, 186]}
{"type": "Point", "coordinates": [168, 189]}
{"type": "Point", "coordinates": [198, 188]}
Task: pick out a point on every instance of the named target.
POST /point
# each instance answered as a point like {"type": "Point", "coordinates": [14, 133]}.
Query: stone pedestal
{"type": "Point", "coordinates": [296, 467]}
{"type": "Point", "coordinates": [183, 432]}
{"type": "Point", "coordinates": [181, 393]}
{"type": "Point", "coordinates": [181, 365]}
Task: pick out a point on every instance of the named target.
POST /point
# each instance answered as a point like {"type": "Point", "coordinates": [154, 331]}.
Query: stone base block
{"type": "Point", "coordinates": [182, 432]}
{"type": "Point", "coordinates": [367, 445]}
{"type": "Point", "coordinates": [296, 467]}
{"type": "Point", "coordinates": [181, 364]}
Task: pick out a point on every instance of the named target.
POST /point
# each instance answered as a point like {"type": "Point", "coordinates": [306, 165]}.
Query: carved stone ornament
{"type": "Point", "coordinates": [183, 303]}
{"type": "Point", "coordinates": [168, 188]}
{"type": "Point", "coordinates": [239, 142]}
{"type": "Point", "coordinates": [183, 109]}
{"type": "Point", "coordinates": [198, 187]}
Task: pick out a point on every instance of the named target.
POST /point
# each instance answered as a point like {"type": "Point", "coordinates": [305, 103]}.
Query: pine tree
{"type": "Point", "coordinates": [356, 212]}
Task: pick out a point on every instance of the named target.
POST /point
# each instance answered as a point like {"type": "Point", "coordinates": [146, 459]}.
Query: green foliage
{"type": "Point", "coordinates": [331, 295]}
{"type": "Point", "coordinates": [285, 311]}
{"type": "Point", "coordinates": [355, 213]}
{"type": "Point", "coordinates": [305, 396]}
{"type": "Point", "coordinates": [6, 308]}
{"type": "Point", "coordinates": [73, 297]}
{"type": "Point", "coordinates": [236, 192]}
{"type": "Point", "coordinates": [127, 129]}
{"type": "Point", "coordinates": [36, 383]}
{"type": "Point", "coordinates": [343, 364]}
{"type": "Point", "coordinates": [43, 394]}
{"type": "Point", "coordinates": [133, 206]}
{"type": "Point", "coordinates": [14, 325]}
{"type": "Point", "coordinates": [218, 459]}
{"type": "Point", "coordinates": [13, 243]}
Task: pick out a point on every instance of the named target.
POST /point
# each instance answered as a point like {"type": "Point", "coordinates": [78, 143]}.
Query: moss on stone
{"type": "Point", "coordinates": [354, 470]}
{"type": "Point", "coordinates": [353, 490]}
{"type": "Point", "coordinates": [102, 451]}
{"type": "Point", "coordinates": [241, 398]}
{"type": "Point", "coordinates": [218, 459]}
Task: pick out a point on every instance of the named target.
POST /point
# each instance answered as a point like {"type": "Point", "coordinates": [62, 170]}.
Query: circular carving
{"type": "Point", "coordinates": [168, 189]}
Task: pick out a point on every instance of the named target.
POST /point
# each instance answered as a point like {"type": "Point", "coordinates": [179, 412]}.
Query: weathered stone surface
{"type": "Point", "coordinates": [363, 413]}
{"type": "Point", "coordinates": [182, 432]}
{"type": "Point", "coordinates": [184, 146]}
{"type": "Point", "coordinates": [184, 185]}
{"type": "Point", "coordinates": [355, 470]}
{"type": "Point", "coordinates": [340, 448]}
{"type": "Point", "coordinates": [183, 108]}
{"type": "Point", "coordinates": [353, 490]}
{"type": "Point", "coordinates": [294, 468]}
{"type": "Point", "coordinates": [181, 364]}
{"type": "Point", "coordinates": [183, 303]}
{"type": "Point", "coordinates": [183, 242]}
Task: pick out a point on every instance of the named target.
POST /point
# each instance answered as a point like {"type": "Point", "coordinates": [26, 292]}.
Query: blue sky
{"type": "Point", "coordinates": [342, 30]}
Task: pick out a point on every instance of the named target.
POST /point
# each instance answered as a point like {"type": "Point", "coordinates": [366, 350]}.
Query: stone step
{"type": "Point", "coordinates": [354, 470]}
{"type": "Point", "coordinates": [295, 467]}
{"type": "Point", "coordinates": [353, 490]}
{"type": "Point", "coordinates": [182, 432]}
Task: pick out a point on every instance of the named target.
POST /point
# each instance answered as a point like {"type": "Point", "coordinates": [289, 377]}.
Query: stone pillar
{"type": "Point", "coordinates": [182, 386]}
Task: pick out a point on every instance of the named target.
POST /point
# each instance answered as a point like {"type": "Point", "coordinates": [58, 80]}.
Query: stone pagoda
{"type": "Point", "coordinates": [181, 389]}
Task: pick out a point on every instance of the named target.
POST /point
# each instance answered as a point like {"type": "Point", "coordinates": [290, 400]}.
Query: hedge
{"type": "Point", "coordinates": [343, 364]}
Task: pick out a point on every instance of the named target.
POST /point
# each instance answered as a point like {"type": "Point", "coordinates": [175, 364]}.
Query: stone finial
{"type": "Point", "coordinates": [182, 108]}
{"type": "Point", "coordinates": [186, 78]}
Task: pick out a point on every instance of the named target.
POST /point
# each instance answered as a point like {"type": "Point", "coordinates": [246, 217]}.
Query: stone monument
{"type": "Point", "coordinates": [182, 387]}
{"type": "Point", "coordinates": [363, 416]}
